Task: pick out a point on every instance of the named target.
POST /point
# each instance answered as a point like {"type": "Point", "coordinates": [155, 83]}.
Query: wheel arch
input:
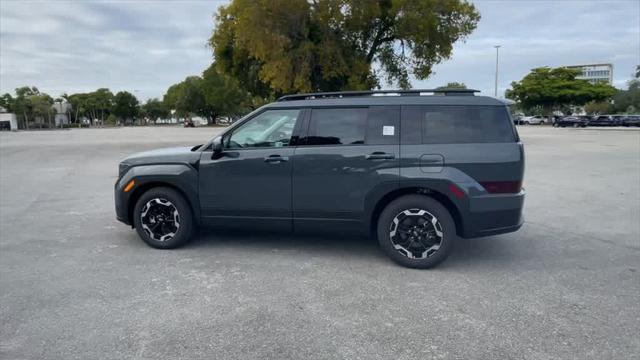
{"type": "Point", "coordinates": [425, 191]}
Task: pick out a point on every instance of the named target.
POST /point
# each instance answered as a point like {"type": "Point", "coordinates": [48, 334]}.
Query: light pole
{"type": "Point", "coordinates": [495, 91]}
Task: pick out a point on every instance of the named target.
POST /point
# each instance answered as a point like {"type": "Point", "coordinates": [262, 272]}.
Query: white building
{"type": "Point", "coordinates": [62, 109]}
{"type": "Point", "coordinates": [595, 73]}
{"type": "Point", "coordinates": [8, 121]}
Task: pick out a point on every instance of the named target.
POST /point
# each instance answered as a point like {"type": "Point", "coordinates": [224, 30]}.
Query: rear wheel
{"type": "Point", "coordinates": [416, 231]}
{"type": "Point", "coordinates": [163, 218]}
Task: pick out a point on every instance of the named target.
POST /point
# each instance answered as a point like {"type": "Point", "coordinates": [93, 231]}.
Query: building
{"type": "Point", "coordinates": [8, 121]}
{"type": "Point", "coordinates": [62, 109]}
{"type": "Point", "coordinates": [595, 73]}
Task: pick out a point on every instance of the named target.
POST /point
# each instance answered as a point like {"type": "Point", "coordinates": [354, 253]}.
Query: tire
{"type": "Point", "coordinates": [177, 228]}
{"type": "Point", "coordinates": [396, 213]}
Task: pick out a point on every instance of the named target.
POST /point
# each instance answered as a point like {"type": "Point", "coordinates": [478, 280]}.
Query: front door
{"type": "Point", "coordinates": [349, 157]}
{"type": "Point", "coordinates": [249, 183]}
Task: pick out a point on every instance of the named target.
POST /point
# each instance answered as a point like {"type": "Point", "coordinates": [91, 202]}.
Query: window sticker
{"type": "Point", "coordinates": [388, 130]}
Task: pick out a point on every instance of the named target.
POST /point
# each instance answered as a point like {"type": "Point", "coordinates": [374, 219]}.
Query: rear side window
{"type": "Point", "coordinates": [465, 124]}
{"type": "Point", "coordinates": [339, 126]}
{"type": "Point", "coordinates": [383, 125]}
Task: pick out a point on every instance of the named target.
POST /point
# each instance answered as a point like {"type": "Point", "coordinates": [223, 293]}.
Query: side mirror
{"type": "Point", "coordinates": [216, 145]}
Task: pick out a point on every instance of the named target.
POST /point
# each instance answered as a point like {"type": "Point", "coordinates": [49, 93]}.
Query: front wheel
{"type": "Point", "coordinates": [416, 231]}
{"type": "Point", "coordinates": [163, 218]}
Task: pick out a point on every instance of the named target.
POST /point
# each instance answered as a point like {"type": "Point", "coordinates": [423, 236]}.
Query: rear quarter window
{"type": "Point", "coordinates": [465, 124]}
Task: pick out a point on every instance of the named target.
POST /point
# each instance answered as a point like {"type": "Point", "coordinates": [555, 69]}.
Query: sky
{"type": "Point", "coordinates": [145, 46]}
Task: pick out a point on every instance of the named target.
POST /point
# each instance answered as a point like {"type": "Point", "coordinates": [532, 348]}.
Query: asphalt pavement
{"type": "Point", "coordinates": [77, 284]}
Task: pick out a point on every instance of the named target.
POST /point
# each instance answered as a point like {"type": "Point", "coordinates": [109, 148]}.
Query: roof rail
{"type": "Point", "coordinates": [343, 94]}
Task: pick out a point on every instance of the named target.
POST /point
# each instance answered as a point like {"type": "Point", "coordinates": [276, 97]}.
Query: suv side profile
{"type": "Point", "coordinates": [417, 171]}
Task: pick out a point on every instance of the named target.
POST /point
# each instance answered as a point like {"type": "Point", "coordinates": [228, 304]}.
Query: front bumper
{"type": "Point", "coordinates": [121, 202]}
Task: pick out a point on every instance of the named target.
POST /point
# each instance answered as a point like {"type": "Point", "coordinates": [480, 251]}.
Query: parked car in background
{"type": "Point", "coordinates": [603, 120]}
{"type": "Point", "coordinates": [517, 119]}
{"type": "Point", "coordinates": [573, 121]}
{"type": "Point", "coordinates": [631, 120]}
{"type": "Point", "coordinates": [533, 120]}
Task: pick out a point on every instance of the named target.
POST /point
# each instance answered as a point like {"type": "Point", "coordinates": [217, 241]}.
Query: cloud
{"type": "Point", "coordinates": [145, 46]}
{"type": "Point", "coordinates": [543, 33]}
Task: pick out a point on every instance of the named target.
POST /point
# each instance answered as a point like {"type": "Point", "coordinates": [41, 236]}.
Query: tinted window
{"type": "Point", "coordinates": [383, 126]}
{"type": "Point", "coordinates": [342, 126]}
{"type": "Point", "coordinates": [272, 128]}
{"type": "Point", "coordinates": [466, 124]}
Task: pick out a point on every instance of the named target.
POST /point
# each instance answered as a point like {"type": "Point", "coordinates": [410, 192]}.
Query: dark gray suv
{"type": "Point", "coordinates": [415, 170]}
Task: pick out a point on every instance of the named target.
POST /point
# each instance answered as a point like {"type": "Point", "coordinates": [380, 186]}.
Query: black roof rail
{"type": "Point", "coordinates": [343, 94]}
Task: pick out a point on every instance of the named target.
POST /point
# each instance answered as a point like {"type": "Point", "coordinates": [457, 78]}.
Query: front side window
{"type": "Point", "coordinates": [272, 128]}
{"type": "Point", "coordinates": [339, 126]}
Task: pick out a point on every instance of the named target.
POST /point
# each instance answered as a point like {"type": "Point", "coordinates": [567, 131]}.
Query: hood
{"type": "Point", "coordinates": [174, 154]}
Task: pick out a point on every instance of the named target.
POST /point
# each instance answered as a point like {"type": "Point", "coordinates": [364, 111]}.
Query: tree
{"type": "Point", "coordinates": [22, 105]}
{"type": "Point", "coordinates": [79, 105]}
{"type": "Point", "coordinates": [553, 89]}
{"type": "Point", "coordinates": [628, 101]}
{"type": "Point", "coordinates": [41, 107]}
{"type": "Point", "coordinates": [453, 85]}
{"type": "Point", "coordinates": [223, 95]}
{"type": "Point", "coordinates": [593, 108]}
{"type": "Point", "coordinates": [280, 46]}
{"type": "Point", "coordinates": [125, 105]}
{"type": "Point", "coordinates": [186, 97]}
{"type": "Point", "coordinates": [155, 109]}
{"type": "Point", "coordinates": [100, 102]}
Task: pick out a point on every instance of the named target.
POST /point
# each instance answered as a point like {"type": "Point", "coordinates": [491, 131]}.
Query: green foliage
{"type": "Point", "coordinates": [94, 105]}
{"type": "Point", "coordinates": [154, 109]}
{"type": "Point", "coordinates": [223, 95]}
{"type": "Point", "coordinates": [280, 46]}
{"type": "Point", "coordinates": [552, 89]}
{"type": "Point", "coordinates": [453, 85]}
{"type": "Point", "coordinates": [186, 97]}
{"type": "Point", "coordinates": [111, 119]}
{"type": "Point", "coordinates": [596, 108]}
{"type": "Point", "coordinates": [125, 105]}
{"type": "Point", "coordinates": [210, 96]}
{"type": "Point", "coordinates": [628, 101]}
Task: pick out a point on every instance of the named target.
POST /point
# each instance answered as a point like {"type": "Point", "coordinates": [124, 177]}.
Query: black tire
{"type": "Point", "coordinates": [186, 223]}
{"type": "Point", "coordinates": [431, 207]}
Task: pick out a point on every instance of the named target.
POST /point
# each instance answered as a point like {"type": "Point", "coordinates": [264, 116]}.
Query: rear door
{"type": "Point", "coordinates": [349, 155]}
{"type": "Point", "coordinates": [476, 145]}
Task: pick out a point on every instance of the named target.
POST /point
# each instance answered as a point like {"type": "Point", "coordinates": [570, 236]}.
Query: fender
{"type": "Point", "coordinates": [439, 189]}
{"type": "Point", "coordinates": [180, 176]}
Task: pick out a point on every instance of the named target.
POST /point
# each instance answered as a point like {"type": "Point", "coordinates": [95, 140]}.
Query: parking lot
{"type": "Point", "coordinates": [77, 284]}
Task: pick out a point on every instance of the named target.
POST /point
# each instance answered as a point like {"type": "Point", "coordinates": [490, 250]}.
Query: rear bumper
{"type": "Point", "coordinates": [494, 214]}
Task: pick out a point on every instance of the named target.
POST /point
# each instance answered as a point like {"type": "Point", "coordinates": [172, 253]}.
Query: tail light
{"type": "Point", "coordinates": [502, 187]}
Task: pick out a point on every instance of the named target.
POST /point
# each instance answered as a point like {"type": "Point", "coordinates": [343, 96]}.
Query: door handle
{"type": "Point", "coordinates": [275, 159]}
{"type": "Point", "coordinates": [379, 155]}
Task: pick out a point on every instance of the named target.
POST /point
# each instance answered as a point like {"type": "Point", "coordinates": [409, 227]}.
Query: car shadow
{"type": "Point", "coordinates": [468, 253]}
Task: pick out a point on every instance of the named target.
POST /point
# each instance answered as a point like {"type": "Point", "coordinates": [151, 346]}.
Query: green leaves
{"type": "Point", "coordinates": [209, 96]}
{"type": "Point", "coordinates": [554, 88]}
{"type": "Point", "coordinates": [125, 105]}
{"type": "Point", "coordinates": [282, 46]}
